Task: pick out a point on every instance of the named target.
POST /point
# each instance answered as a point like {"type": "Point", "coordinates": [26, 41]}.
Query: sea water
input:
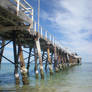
{"type": "Point", "coordinates": [73, 79]}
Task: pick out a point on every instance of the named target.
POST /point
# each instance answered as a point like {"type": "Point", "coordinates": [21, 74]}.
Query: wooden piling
{"type": "Point", "coordinates": [49, 60]}
{"type": "Point", "coordinates": [22, 66]}
{"type": "Point", "coordinates": [55, 59]}
{"type": "Point", "coordinates": [43, 56]}
{"type": "Point", "coordinates": [46, 63]}
{"type": "Point", "coordinates": [15, 60]}
{"type": "Point", "coordinates": [36, 66]}
{"type": "Point", "coordinates": [59, 62]}
{"type": "Point", "coordinates": [64, 61]}
{"type": "Point", "coordinates": [51, 57]}
{"type": "Point", "coordinates": [61, 66]}
{"type": "Point", "coordinates": [70, 60]}
{"type": "Point", "coordinates": [67, 58]}
{"type": "Point", "coordinates": [28, 64]}
{"type": "Point", "coordinates": [58, 59]}
{"type": "Point", "coordinates": [39, 54]}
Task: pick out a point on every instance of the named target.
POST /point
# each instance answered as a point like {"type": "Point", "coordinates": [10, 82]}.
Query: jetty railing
{"type": "Point", "coordinates": [25, 7]}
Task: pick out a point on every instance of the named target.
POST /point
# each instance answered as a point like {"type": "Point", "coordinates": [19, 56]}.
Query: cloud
{"type": "Point", "coordinates": [74, 21]}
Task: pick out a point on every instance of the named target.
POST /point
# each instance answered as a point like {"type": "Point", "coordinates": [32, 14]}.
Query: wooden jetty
{"type": "Point", "coordinates": [17, 26]}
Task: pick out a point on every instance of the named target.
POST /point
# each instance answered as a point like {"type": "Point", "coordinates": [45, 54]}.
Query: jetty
{"type": "Point", "coordinates": [17, 25]}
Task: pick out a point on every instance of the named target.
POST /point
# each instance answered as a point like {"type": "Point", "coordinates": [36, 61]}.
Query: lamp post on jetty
{"type": "Point", "coordinates": [38, 14]}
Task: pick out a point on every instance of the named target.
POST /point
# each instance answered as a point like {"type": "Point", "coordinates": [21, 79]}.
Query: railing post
{"type": "Point", "coordinates": [32, 15]}
{"type": "Point", "coordinates": [41, 31]}
{"type": "Point", "coordinates": [38, 14]}
{"type": "Point", "coordinates": [18, 1]}
{"type": "Point", "coordinates": [53, 40]}
{"type": "Point", "coordinates": [50, 37]}
{"type": "Point", "coordinates": [46, 35]}
{"type": "Point", "coordinates": [35, 26]}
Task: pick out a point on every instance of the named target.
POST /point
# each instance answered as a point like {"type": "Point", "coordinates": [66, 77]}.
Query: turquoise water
{"type": "Point", "coordinates": [74, 79]}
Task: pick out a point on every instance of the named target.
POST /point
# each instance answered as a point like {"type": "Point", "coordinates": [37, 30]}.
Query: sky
{"type": "Point", "coordinates": [70, 21]}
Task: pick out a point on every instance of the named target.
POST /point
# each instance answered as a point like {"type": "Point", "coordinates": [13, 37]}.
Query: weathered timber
{"type": "Point", "coordinates": [15, 59]}
{"type": "Point", "coordinates": [64, 60]}
{"type": "Point", "coordinates": [43, 56]}
{"type": "Point", "coordinates": [22, 65]}
{"type": "Point", "coordinates": [13, 28]}
{"type": "Point", "coordinates": [46, 63]}
{"type": "Point", "coordinates": [55, 59]}
{"type": "Point", "coordinates": [28, 63]}
{"type": "Point", "coordinates": [10, 8]}
{"type": "Point", "coordinates": [59, 62]}
{"type": "Point", "coordinates": [36, 66]}
{"type": "Point", "coordinates": [39, 54]}
{"type": "Point", "coordinates": [51, 57]}
{"type": "Point", "coordinates": [49, 60]}
{"type": "Point", "coordinates": [2, 50]}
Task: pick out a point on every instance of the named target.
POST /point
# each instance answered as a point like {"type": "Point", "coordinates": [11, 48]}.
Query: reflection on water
{"type": "Point", "coordinates": [74, 79]}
